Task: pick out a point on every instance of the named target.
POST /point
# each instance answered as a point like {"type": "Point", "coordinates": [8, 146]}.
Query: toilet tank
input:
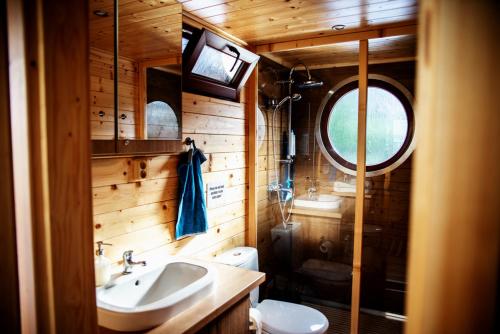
{"type": "Point", "coordinates": [243, 257]}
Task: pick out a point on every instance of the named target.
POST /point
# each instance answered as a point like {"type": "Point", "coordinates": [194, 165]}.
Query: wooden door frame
{"type": "Point", "coordinates": [454, 246]}
{"type": "Point", "coordinates": [9, 290]}
{"type": "Point", "coordinates": [253, 151]}
{"type": "Point", "coordinates": [360, 185]}
{"type": "Point", "coordinates": [49, 103]}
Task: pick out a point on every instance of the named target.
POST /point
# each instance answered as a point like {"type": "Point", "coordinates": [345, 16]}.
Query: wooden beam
{"type": "Point", "coordinates": [454, 219]}
{"type": "Point", "coordinates": [9, 289]}
{"type": "Point", "coordinates": [360, 184]}
{"type": "Point", "coordinates": [278, 60]}
{"type": "Point", "coordinates": [253, 151]}
{"type": "Point", "coordinates": [173, 60]}
{"type": "Point", "coordinates": [370, 62]}
{"type": "Point", "coordinates": [347, 36]}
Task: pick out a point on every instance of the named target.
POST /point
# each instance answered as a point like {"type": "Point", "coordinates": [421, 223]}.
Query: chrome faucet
{"type": "Point", "coordinates": [311, 191]}
{"type": "Point", "coordinates": [128, 263]}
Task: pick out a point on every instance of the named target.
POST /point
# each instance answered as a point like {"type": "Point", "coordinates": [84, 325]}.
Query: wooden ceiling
{"type": "Point", "coordinates": [148, 29]}
{"type": "Point", "coordinates": [264, 21]}
{"type": "Point", "coordinates": [380, 50]}
{"type": "Point", "coordinates": [152, 29]}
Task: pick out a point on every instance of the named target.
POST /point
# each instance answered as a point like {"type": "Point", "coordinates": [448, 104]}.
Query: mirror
{"type": "Point", "coordinates": [145, 95]}
{"type": "Point", "coordinates": [101, 70]}
{"type": "Point", "coordinates": [163, 107]}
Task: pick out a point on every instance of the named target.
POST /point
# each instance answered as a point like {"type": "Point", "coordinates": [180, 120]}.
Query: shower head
{"type": "Point", "coordinates": [294, 97]}
{"type": "Point", "coordinates": [310, 84]}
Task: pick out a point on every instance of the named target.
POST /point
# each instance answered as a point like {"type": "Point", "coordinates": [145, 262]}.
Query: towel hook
{"type": "Point", "coordinates": [190, 142]}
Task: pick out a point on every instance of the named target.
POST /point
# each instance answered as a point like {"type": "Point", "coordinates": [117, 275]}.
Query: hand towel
{"type": "Point", "coordinates": [192, 213]}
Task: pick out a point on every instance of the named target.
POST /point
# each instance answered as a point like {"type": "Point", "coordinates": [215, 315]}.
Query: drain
{"type": "Point", "coordinates": [137, 282]}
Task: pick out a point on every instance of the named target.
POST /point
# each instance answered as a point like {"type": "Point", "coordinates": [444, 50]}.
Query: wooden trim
{"type": "Point", "coordinates": [199, 23]}
{"type": "Point", "coordinates": [18, 77]}
{"type": "Point", "coordinates": [103, 147]}
{"type": "Point", "coordinates": [173, 60]}
{"type": "Point", "coordinates": [360, 184]}
{"type": "Point", "coordinates": [316, 213]}
{"type": "Point", "coordinates": [51, 160]}
{"type": "Point", "coordinates": [253, 152]}
{"type": "Point", "coordinates": [9, 289]}
{"type": "Point", "coordinates": [404, 28]}
{"type": "Point", "coordinates": [69, 214]}
{"type": "Point", "coordinates": [130, 146]}
{"type": "Point", "coordinates": [370, 62]}
{"type": "Point", "coordinates": [141, 121]}
{"type": "Point", "coordinates": [453, 275]}
{"type": "Point", "coordinates": [281, 61]}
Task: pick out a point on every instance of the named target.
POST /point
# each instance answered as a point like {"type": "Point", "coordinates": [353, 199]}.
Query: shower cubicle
{"type": "Point", "coordinates": [306, 138]}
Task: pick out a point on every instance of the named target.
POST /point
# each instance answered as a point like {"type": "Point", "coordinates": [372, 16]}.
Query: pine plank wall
{"type": "Point", "coordinates": [141, 215]}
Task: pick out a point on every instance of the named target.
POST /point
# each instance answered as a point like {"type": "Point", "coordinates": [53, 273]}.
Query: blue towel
{"type": "Point", "coordinates": [192, 214]}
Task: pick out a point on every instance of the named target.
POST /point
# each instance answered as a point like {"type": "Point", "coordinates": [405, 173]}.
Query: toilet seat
{"type": "Point", "coordinates": [287, 318]}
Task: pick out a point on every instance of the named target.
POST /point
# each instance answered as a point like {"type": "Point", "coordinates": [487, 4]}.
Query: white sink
{"type": "Point", "coordinates": [322, 202]}
{"type": "Point", "coordinates": [149, 297]}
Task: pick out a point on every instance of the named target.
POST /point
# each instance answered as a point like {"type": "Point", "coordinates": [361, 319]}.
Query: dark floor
{"type": "Point", "coordinates": [340, 319]}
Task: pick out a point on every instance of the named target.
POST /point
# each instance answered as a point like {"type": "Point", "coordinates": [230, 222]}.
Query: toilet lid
{"type": "Point", "coordinates": [287, 318]}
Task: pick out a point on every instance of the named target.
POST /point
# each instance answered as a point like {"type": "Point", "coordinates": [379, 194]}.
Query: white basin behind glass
{"type": "Point", "coordinates": [150, 297]}
{"type": "Point", "coordinates": [321, 201]}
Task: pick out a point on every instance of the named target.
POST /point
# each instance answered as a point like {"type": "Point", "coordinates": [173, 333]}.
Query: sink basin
{"type": "Point", "coordinates": [322, 202]}
{"type": "Point", "coordinates": [149, 297]}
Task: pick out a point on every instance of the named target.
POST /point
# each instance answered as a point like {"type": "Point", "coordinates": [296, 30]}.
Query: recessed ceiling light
{"type": "Point", "coordinates": [101, 13]}
{"type": "Point", "coordinates": [338, 27]}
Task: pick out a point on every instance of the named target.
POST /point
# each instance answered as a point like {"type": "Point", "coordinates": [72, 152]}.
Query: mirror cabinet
{"type": "Point", "coordinates": [135, 76]}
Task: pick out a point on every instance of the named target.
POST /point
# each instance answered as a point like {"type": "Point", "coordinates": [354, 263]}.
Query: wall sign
{"type": "Point", "coordinates": [215, 194]}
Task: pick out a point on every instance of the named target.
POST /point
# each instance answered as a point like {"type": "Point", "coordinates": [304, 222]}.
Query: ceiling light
{"type": "Point", "coordinates": [338, 27]}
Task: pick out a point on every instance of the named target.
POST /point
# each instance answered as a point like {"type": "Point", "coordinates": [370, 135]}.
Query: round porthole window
{"type": "Point", "coordinates": [390, 125]}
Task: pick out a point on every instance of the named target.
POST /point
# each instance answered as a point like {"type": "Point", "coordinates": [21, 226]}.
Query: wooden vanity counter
{"type": "Point", "coordinates": [230, 287]}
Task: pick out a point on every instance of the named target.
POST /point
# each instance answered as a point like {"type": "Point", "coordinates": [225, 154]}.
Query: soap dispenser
{"type": "Point", "coordinates": [102, 265]}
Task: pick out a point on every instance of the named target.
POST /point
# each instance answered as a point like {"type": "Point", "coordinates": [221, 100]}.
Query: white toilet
{"type": "Point", "coordinates": [277, 317]}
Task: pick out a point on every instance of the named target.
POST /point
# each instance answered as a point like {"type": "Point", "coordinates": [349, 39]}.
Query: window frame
{"type": "Point", "coordinates": [199, 84]}
{"type": "Point", "coordinates": [334, 95]}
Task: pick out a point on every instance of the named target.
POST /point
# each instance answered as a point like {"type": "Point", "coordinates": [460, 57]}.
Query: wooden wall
{"type": "Point", "coordinates": [455, 230]}
{"type": "Point", "coordinates": [141, 215]}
